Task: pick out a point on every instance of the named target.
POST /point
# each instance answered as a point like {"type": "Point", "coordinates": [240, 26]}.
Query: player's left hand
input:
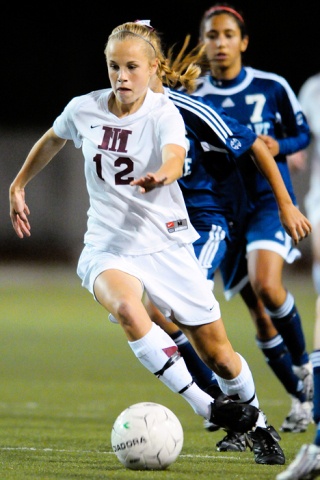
{"type": "Point", "coordinates": [149, 182]}
{"type": "Point", "coordinates": [295, 224]}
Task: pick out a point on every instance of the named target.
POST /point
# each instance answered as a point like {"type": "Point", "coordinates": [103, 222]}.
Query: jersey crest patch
{"type": "Point", "coordinates": [235, 144]}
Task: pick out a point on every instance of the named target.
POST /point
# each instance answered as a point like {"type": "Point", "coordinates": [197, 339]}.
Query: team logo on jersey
{"type": "Point", "coordinates": [177, 225]}
{"type": "Point", "coordinates": [228, 102]}
{"type": "Point", "coordinates": [299, 118]}
{"type": "Point", "coordinates": [235, 144]}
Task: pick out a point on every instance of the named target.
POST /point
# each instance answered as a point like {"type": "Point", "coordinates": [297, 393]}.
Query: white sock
{"type": "Point", "coordinates": [199, 400]}
{"type": "Point", "coordinates": [154, 350]}
{"type": "Point", "coordinates": [241, 389]}
{"type": "Point", "coordinates": [261, 422]}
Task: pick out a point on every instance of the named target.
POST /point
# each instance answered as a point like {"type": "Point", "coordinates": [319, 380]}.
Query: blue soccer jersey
{"type": "Point", "coordinates": [211, 183]}
{"type": "Point", "coordinates": [213, 186]}
{"type": "Point", "coordinates": [266, 104]}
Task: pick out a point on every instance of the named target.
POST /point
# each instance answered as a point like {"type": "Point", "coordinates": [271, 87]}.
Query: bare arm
{"type": "Point", "coordinates": [293, 221]}
{"type": "Point", "coordinates": [171, 169]}
{"type": "Point", "coordinates": [272, 144]}
{"type": "Point", "coordinates": [39, 156]}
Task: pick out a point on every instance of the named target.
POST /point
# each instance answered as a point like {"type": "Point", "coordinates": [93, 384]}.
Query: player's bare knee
{"type": "Point", "coordinates": [225, 364]}
{"type": "Point", "coordinates": [267, 290]}
{"type": "Point", "coordinates": [126, 312]}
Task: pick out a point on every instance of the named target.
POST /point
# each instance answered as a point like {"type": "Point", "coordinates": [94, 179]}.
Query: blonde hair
{"type": "Point", "coordinates": [188, 65]}
{"type": "Point", "coordinates": [171, 72]}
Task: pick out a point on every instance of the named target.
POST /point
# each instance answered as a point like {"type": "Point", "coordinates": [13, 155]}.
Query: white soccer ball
{"type": "Point", "coordinates": [147, 436]}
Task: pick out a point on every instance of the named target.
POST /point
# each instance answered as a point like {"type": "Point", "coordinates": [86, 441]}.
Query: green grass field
{"type": "Point", "coordinates": [67, 372]}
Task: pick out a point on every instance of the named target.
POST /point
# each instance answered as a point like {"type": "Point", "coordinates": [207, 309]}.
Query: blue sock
{"type": "Point", "coordinates": [315, 359]}
{"type": "Point", "coordinates": [287, 321]}
{"type": "Point", "coordinates": [201, 374]}
{"type": "Point", "coordinates": [280, 362]}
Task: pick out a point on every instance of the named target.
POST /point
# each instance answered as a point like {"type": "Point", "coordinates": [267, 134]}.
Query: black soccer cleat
{"type": "Point", "coordinates": [230, 415]}
{"type": "Point", "coordinates": [264, 444]}
{"type": "Point", "coordinates": [233, 442]}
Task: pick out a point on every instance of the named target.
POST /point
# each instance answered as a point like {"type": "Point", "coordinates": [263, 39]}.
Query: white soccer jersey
{"type": "Point", "coordinates": [116, 151]}
{"type": "Point", "coordinates": [309, 97]}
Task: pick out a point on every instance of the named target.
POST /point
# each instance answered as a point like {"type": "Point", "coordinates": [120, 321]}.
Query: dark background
{"type": "Point", "coordinates": [53, 52]}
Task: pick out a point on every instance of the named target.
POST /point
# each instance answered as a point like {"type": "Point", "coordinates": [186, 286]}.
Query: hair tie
{"type": "Point", "coordinates": [221, 8]}
{"type": "Point", "coordinates": [146, 23]}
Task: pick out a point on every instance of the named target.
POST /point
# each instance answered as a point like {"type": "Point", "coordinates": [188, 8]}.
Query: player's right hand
{"type": "Point", "coordinates": [18, 213]}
